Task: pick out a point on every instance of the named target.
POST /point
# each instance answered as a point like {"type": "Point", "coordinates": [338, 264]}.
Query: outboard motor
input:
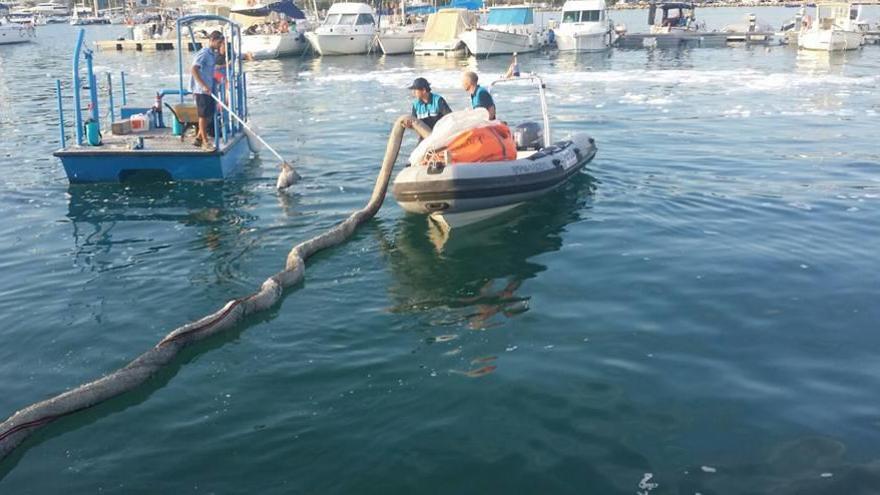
{"type": "Point", "coordinates": [528, 136]}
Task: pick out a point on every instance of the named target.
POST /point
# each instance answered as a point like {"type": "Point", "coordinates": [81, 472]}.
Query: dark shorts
{"type": "Point", "coordinates": [205, 106]}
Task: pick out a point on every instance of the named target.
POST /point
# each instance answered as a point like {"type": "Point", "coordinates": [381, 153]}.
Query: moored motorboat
{"type": "Point", "coordinates": [348, 29]}
{"type": "Point", "coordinates": [458, 194]}
{"type": "Point", "coordinates": [832, 30]}
{"type": "Point", "coordinates": [676, 27]}
{"type": "Point", "coordinates": [14, 33]}
{"type": "Point", "coordinates": [274, 30]}
{"type": "Point", "coordinates": [400, 40]}
{"type": "Point", "coordinates": [585, 27]}
{"type": "Point", "coordinates": [509, 29]}
{"type": "Point", "coordinates": [141, 145]}
{"type": "Point", "coordinates": [442, 36]}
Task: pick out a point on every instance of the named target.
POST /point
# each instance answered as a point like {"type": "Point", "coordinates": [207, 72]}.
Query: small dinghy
{"type": "Point", "coordinates": [456, 194]}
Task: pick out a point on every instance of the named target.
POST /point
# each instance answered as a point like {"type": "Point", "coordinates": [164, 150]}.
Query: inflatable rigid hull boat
{"type": "Point", "coordinates": [464, 193]}
{"type": "Point", "coordinates": [458, 189]}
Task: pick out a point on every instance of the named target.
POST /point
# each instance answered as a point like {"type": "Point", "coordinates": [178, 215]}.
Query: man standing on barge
{"type": "Point", "coordinates": [201, 85]}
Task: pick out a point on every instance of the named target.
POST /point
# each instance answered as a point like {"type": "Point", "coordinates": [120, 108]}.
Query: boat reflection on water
{"type": "Point", "coordinates": [812, 61]}
{"type": "Point", "coordinates": [579, 61]}
{"type": "Point", "coordinates": [113, 223]}
{"type": "Point", "coordinates": [474, 275]}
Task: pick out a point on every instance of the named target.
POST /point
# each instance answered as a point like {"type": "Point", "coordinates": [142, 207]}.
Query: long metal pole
{"type": "Point", "coordinates": [231, 75]}
{"type": "Point", "coordinates": [180, 61]}
{"type": "Point", "coordinates": [77, 84]}
{"type": "Point", "coordinates": [547, 138]}
{"type": "Point", "coordinates": [240, 121]}
{"type": "Point", "coordinates": [110, 90]}
{"type": "Point", "coordinates": [93, 86]}
{"type": "Point", "coordinates": [60, 114]}
{"type": "Point", "coordinates": [124, 93]}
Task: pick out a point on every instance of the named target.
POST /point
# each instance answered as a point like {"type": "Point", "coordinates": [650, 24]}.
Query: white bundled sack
{"type": "Point", "coordinates": [446, 129]}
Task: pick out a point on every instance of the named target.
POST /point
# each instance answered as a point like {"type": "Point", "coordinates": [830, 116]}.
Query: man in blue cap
{"type": "Point", "coordinates": [428, 107]}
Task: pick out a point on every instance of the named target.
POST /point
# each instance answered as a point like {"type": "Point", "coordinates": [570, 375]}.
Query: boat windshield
{"type": "Point", "coordinates": [365, 20]}
{"type": "Point", "coordinates": [332, 20]}
{"type": "Point", "coordinates": [582, 16]}
{"type": "Point", "coordinates": [831, 11]}
{"type": "Point", "coordinates": [514, 16]}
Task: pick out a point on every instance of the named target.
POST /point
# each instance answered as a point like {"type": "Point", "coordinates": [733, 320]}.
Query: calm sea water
{"type": "Point", "coordinates": [696, 314]}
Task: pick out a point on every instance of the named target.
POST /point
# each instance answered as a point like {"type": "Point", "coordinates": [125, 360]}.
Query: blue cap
{"type": "Point", "coordinates": [420, 83]}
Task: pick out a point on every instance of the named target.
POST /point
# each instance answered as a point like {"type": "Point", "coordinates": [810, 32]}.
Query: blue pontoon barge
{"type": "Point", "coordinates": [159, 152]}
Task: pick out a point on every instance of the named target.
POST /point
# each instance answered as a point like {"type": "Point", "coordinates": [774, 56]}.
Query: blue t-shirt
{"type": "Point", "coordinates": [481, 98]}
{"type": "Point", "coordinates": [430, 112]}
{"type": "Point", "coordinates": [204, 60]}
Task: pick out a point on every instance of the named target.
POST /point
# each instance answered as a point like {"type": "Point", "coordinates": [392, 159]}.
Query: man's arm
{"type": "Point", "coordinates": [198, 78]}
{"type": "Point", "coordinates": [444, 107]}
{"type": "Point", "coordinates": [488, 103]}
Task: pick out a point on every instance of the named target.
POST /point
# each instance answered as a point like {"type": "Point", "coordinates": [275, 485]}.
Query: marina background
{"type": "Point", "coordinates": [700, 306]}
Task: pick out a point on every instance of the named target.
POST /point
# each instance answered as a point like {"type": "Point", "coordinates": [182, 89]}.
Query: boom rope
{"type": "Point", "coordinates": [25, 422]}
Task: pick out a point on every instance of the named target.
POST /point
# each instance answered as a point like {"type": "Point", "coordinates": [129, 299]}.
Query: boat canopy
{"type": "Point", "coordinates": [510, 15]}
{"type": "Point", "coordinates": [285, 7]}
{"type": "Point", "coordinates": [676, 5]}
{"type": "Point", "coordinates": [684, 10]}
{"type": "Point", "coordinates": [350, 8]}
{"type": "Point", "coordinates": [446, 25]}
{"type": "Point", "coordinates": [464, 4]}
{"type": "Point", "coordinates": [349, 14]}
{"type": "Point", "coordinates": [835, 10]}
{"type": "Point", "coordinates": [423, 9]}
{"type": "Point", "coordinates": [579, 5]}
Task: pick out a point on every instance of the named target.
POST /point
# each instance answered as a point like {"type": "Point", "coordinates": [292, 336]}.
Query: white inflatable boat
{"type": "Point", "coordinates": [460, 194]}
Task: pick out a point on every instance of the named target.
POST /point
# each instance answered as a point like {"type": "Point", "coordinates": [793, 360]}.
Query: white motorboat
{"type": "Point", "coordinates": [585, 27]}
{"type": "Point", "coordinates": [348, 29]}
{"type": "Point", "coordinates": [51, 9]}
{"type": "Point", "coordinates": [832, 30]}
{"type": "Point", "coordinates": [276, 45]}
{"type": "Point", "coordinates": [20, 17]}
{"type": "Point", "coordinates": [273, 30]}
{"type": "Point", "coordinates": [676, 18]}
{"type": "Point", "coordinates": [458, 194]}
{"type": "Point", "coordinates": [443, 32]}
{"type": "Point", "coordinates": [13, 33]}
{"type": "Point", "coordinates": [400, 40]}
{"type": "Point", "coordinates": [507, 30]}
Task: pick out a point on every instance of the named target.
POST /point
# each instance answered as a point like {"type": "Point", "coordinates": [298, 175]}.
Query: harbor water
{"type": "Point", "coordinates": [697, 313]}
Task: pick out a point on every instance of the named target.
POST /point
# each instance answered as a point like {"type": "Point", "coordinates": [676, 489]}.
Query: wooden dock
{"type": "Point", "coordinates": [144, 45]}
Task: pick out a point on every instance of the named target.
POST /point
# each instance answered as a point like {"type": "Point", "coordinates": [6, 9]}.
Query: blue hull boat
{"type": "Point", "coordinates": [143, 147]}
{"type": "Point", "coordinates": [160, 159]}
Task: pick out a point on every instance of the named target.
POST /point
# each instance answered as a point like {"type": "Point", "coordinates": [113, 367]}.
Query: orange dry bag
{"type": "Point", "coordinates": [484, 144]}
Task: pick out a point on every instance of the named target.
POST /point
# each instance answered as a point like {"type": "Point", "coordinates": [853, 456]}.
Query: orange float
{"type": "Point", "coordinates": [492, 143]}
